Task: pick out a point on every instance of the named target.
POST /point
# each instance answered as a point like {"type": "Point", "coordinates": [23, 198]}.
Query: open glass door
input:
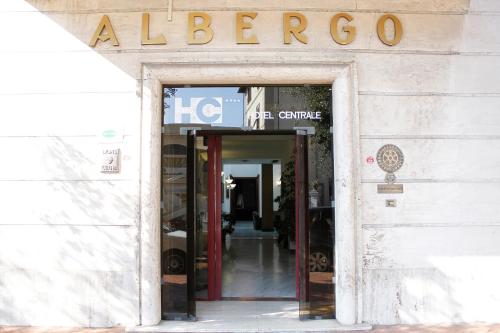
{"type": "Point", "coordinates": [178, 218]}
{"type": "Point", "coordinates": [191, 220]}
{"type": "Point", "coordinates": [314, 205]}
{"type": "Point", "coordinates": [302, 228]}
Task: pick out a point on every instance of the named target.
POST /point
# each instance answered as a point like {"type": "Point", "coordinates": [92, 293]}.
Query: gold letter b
{"type": "Point", "coordinates": [203, 26]}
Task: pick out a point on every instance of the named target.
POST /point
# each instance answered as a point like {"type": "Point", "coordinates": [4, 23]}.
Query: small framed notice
{"type": "Point", "coordinates": [390, 188]}
{"type": "Point", "coordinates": [110, 160]}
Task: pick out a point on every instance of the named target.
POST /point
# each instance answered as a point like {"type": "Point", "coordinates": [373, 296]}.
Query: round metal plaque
{"type": "Point", "coordinates": [390, 158]}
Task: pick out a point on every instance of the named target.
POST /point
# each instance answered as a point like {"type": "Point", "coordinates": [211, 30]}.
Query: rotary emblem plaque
{"type": "Point", "coordinates": [390, 159]}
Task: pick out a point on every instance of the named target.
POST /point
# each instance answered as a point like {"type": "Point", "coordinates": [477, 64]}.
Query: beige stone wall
{"type": "Point", "coordinates": [69, 235]}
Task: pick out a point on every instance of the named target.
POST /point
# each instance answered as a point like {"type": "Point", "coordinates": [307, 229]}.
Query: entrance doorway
{"type": "Point", "coordinates": [240, 238]}
{"type": "Point", "coordinates": [246, 230]}
{"type": "Point", "coordinates": [258, 249]}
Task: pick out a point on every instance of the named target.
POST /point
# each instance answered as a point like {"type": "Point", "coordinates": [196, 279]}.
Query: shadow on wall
{"type": "Point", "coordinates": [64, 256]}
{"type": "Point", "coordinates": [69, 256]}
{"type": "Point", "coordinates": [68, 234]}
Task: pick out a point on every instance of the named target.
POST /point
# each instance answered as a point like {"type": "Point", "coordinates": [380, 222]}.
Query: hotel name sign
{"type": "Point", "coordinates": [199, 30]}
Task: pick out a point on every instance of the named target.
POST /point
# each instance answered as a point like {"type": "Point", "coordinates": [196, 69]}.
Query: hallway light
{"type": "Point", "coordinates": [229, 179]}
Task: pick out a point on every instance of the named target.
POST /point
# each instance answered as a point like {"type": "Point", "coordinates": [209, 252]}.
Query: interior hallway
{"type": "Point", "coordinates": [254, 266]}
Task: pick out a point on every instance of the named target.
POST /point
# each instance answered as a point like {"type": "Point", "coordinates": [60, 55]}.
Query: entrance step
{"type": "Point", "coordinates": [249, 316]}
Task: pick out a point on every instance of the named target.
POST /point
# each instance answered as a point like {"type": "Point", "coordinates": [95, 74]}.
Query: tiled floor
{"type": "Point", "coordinates": [244, 229]}
{"type": "Point", "coordinates": [254, 266]}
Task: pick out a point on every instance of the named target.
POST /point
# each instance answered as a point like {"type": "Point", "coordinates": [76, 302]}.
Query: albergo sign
{"type": "Point", "coordinates": [199, 29]}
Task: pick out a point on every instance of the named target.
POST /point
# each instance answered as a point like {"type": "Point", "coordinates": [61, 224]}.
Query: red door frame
{"type": "Point", "coordinates": [301, 225]}
{"type": "Point", "coordinates": [214, 217]}
{"type": "Point", "coordinates": [214, 237]}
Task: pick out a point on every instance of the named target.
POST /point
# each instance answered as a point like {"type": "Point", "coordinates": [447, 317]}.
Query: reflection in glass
{"type": "Point", "coordinates": [173, 226]}
{"type": "Point", "coordinates": [201, 257]}
{"type": "Point", "coordinates": [317, 99]}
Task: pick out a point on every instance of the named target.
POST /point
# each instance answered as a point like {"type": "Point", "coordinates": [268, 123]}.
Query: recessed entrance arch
{"type": "Point", "coordinates": [242, 69]}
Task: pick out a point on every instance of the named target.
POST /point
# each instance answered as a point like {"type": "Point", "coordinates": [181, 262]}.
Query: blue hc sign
{"type": "Point", "coordinates": [200, 110]}
{"type": "Point", "coordinates": [219, 106]}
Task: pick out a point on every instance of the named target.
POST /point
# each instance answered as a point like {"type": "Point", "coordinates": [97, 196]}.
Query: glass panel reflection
{"type": "Point", "coordinates": [173, 226]}
{"type": "Point", "coordinates": [321, 202]}
{"type": "Point", "coordinates": [201, 258]}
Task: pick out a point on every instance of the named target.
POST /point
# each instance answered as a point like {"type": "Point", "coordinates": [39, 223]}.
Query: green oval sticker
{"type": "Point", "coordinates": [109, 134]}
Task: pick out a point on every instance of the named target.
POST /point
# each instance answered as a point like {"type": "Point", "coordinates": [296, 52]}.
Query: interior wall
{"type": "Point", "coordinates": [242, 170]}
{"type": "Point", "coordinates": [267, 196]}
{"type": "Point", "coordinates": [276, 184]}
{"type": "Point", "coordinates": [253, 170]}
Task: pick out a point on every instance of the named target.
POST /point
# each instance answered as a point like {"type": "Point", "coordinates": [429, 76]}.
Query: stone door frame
{"type": "Point", "coordinates": [241, 68]}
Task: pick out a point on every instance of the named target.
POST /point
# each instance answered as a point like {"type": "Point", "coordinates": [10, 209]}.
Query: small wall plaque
{"type": "Point", "coordinates": [391, 203]}
{"type": "Point", "coordinates": [110, 160]}
{"type": "Point", "coordinates": [390, 188]}
{"type": "Point", "coordinates": [390, 159]}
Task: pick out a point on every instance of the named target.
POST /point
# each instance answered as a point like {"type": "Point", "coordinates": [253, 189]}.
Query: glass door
{"type": "Point", "coordinates": [192, 217]}
{"type": "Point", "coordinates": [178, 224]}
{"type": "Point", "coordinates": [302, 228]}
{"type": "Point", "coordinates": [314, 205]}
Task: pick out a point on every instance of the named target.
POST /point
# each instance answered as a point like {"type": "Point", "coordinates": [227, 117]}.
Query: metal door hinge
{"type": "Point", "coordinates": [185, 130]}
{"type": "Point", "coordinates": [305, 130]}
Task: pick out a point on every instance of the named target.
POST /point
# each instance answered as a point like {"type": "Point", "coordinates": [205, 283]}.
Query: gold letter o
{"type": "Point", "coordinates": [398, 30]}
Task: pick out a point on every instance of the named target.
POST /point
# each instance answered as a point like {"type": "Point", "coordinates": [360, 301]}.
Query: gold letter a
{"type": "Point", "coordinates": [98, 34]}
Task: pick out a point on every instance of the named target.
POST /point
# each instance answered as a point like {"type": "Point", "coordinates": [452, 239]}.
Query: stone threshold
{"type": "Point", "coordinates": [249, 316]}
{"type": "Point", "coordinates": [333, 326]}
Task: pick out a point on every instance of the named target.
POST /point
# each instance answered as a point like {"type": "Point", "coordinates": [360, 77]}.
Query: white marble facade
{"type": "Point", "coordinates": [70, 236]}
